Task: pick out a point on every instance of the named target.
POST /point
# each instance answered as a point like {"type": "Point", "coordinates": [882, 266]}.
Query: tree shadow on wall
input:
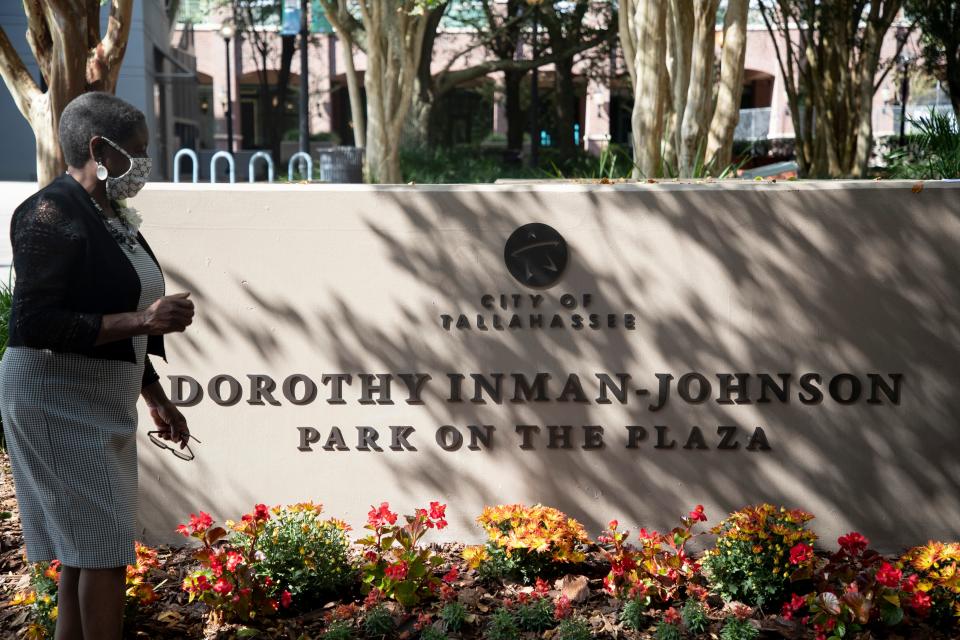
{"type": "Point", "coordinates": [721, 279]}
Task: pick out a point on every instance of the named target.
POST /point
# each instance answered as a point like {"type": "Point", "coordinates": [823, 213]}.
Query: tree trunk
{"type": "Point", "coordinates": [424, 96]}
{"type": "Point", "coordinates": [696, 112]}
{"type": "Point", "coordinates": [726, 115]}
{"type": "Point", "coordinates": [649, 23]}
{"type": "Point", "coordinates": [263, 100]}
{"type": "Point", "coordinates": [566, 105]}
{"type": "Point", "coordinates": [394, 45]}
{"type": "Point", "coordinates": [64, 36]}
{"type": "Point", "coordinates": [953, 81]}
{"type": "Point", "coordinates": [516, 123]}
{"type": "Point", "coordinates": [287, 49]}
{"type": "Point", "coordinates": [357, 113]}
{"type": "Point", "coordinates": [679, 50]}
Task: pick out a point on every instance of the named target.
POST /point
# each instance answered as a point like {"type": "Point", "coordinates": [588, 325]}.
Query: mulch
{"type": "Point", "coordinates": [171, 616]}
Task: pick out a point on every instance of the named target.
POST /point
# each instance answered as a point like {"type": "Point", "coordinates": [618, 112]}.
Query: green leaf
{"type": "Point", "coordinates": [891, 615]}
{"type": "Point", "coordinates": [247, 632]}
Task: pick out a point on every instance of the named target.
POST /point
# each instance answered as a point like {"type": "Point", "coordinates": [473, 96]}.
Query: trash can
{"type": "Point", "coordinates": [342, 165]}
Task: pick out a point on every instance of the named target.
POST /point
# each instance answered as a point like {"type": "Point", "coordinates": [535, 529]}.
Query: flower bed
{"type": "Point", "coordinates": [290, 572]}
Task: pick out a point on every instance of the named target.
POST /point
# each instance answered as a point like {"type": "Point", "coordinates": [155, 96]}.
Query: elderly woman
{"type": "Point", "coordinates": [88, 308]}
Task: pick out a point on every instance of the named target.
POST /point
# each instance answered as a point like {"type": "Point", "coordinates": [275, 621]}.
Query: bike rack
{"type": "Point", "coordinates": [230, 162]}
{"type": "Point", "coordinates": [302, 156]}
{"type": "Point", "coordinates": [253, 160]}
{"type": "Point", "coordinates": [190, 153]}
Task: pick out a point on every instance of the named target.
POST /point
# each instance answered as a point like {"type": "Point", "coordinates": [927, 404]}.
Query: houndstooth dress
{"type": "Point", "coordinates": [71, 423]}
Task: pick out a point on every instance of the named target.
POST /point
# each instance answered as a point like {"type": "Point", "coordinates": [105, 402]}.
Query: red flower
{"type": "Point", "coordinates": [451, 575]}
{"type": "Point", "coordinates": [371, 556]}
{"type": "Point", "coordinates": [542, 587]}
{"type": "Point", "coordinates": [921, 603]}
{"type": "Point", "coordinates": [372, 598]}
{"type": "Point", "coordinates": [223, 587]}
{"type": "Point", "coordinates": [423, 621]}
{"type": "Point", "coordinates": [612, 525]}
{"type": "Point", "coordinates": [910, 584]}
{"type": "Point", "coordinates": [234, 560]}
{"type": "Point", "coordinates": [697, 515]}
{"type": "Point", "coordinates": [800, 553]}
{"type": "Point", "coordinates": [438, 511]}
{"type": "Point", "coordinates": [203, 584]}
{"type": "Point", "coordinates": [198, 524]}
{"type": "Point", "coordinates": [889, 576]}
{"type": "Point", "coordinates": [562, 608]}
{"type": "Point", "coordinates": [260, 512]}
{"type": "Point", "coordinates": [285, 599]}
{"type": "Point", "coordinates": [382, 516]}
{"type": "Point", "coordinates": [671, 616]}
{"type": "Point", "coordinates": [397, 571]}
{"type": "Point", "coordinates": [216, 566]}
{"type": "Point", "coordinates": [441, 523]}
{"type": "Point", "coordinates": [645, 535]}
{"type": "Point", "coordinates": [791, 608]}
{"type": "Point", "coordinates": [853, 544]}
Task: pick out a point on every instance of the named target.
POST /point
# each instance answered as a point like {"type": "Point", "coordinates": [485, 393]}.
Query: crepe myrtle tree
{"type": "Point", "coordinates": [73, 56]}
{"type": "Point", "coordinates": [679, 119]}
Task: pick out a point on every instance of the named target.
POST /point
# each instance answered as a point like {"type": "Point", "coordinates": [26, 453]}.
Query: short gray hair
{"type": "Point", "coordinates": [96, 114]}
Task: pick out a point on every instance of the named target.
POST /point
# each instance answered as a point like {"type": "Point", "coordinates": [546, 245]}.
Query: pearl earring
{"type": "Point", "coordinates": [101, 171]}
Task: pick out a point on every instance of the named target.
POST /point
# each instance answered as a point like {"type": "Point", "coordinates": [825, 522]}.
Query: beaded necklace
{"type": "Point", "coordinates": [127, 237]}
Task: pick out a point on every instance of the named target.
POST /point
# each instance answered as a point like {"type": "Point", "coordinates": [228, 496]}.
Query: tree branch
{"type": "Point", "coordinates": [447, 80]}
{"type": "Point", "coordinates": [103, 62]}
{"type": "Point", "coordinates": [17, 77]}
{"type": "Point", "coordinates": [38, 35]}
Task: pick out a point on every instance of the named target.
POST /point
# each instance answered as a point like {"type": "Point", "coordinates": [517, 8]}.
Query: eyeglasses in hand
{"type": "Point", "coordinates": [163, 444]}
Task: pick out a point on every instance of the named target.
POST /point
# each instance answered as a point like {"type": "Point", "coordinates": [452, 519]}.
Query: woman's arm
{"type": "Point", "coordinates": [165, 414]}
{"type": "Point", "coordinates": [166, 315]}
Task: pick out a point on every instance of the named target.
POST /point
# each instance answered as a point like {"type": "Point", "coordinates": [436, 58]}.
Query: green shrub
{"type": "Point", "coordinates": [633, 613]}
{"type": "Point", "coordinates": [305, 554]}
{"type": "Point", "coordinates": [535, 614]}
{"type": "Point", "coordinates": [667, 631]}
{"type": "Point", "coordinates": [574, 629]}
{"type": "Point", "coordinates": [453, 615]}
{"type": "Point", "coordinates": [502, 626]}
{"type": "Point", "coordinates": [738, 629]}
{"type": "Point", "coordinates": [378, 622]}
{"type": "Point", "coordinates": [432, 633]}
{"type": "Point", "coordinates": [694, 616]}
{"type": "Point", "coordinates": [756, 552]}
{"type": "Point", "coordinates": [932, 152]}
{"type": "Point", "coordinates": [339, 630]}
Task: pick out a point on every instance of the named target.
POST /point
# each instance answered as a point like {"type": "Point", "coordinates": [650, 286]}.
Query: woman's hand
{"type": "Point", "coordinates": [168, 314]}
{"type": "Point", "coordinates": [170, 422]}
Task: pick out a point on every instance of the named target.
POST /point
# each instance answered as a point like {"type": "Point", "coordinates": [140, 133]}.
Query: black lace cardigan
{"type": "Point", "coordinates": [70, 273]}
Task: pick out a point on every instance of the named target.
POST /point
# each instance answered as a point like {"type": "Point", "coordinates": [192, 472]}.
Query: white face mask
{"type": "Point", "coordinates": [129, 184]}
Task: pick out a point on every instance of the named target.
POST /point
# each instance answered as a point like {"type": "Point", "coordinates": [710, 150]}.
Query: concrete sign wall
{"type": "Point", "coordinates": [722, 344]}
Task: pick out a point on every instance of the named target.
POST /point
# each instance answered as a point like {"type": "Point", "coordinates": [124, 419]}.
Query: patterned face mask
{"type": "Point", "coordinates": [129, 184]}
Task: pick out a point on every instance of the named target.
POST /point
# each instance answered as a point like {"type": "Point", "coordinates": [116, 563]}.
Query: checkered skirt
{"type": "Point", "coordinates": [70, 423]}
